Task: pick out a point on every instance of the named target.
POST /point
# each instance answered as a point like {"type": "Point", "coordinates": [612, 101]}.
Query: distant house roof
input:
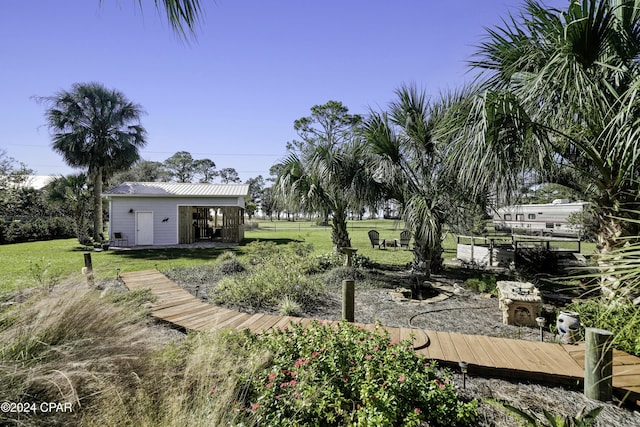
{"type": "Point", "coordinates": [177, 189]}
{"type": "Point", "coordinates": [37, 181]}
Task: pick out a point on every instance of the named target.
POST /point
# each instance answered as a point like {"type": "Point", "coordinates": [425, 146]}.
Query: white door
{"type": "Point", "coordinates": [144, 228]}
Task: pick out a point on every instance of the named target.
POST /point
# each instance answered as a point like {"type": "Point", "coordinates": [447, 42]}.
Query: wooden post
{"type": "Point", "coordinates": [348, 299]}
{"type": "Point", "coordinates": [598, 364]}
{"type": "Point", "coordinates": [491, 246]}
{"type": "Point", "coordinates": [472, 258]}
{"type": "Point", "coordinates": [89, 269]}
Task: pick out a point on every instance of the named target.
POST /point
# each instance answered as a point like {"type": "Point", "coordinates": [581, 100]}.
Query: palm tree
{"type": "Point", "coordinates": [98, 129]}
{"type": "Point", "coordinates": [72, 194]}
{"type": "Point", "coordinates": [558, 96]}
{"type": "Point", "coordinates": [331, 179]}
{"type": "Point", "coordinates": [409, 165]}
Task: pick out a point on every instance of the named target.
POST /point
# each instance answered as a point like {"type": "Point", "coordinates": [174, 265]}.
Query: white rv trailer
{"type": "Point", "coordinates": [546, 219]}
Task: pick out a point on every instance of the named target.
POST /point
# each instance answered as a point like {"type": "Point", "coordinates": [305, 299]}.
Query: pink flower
{"type": "Point", "coordinates": [268, 385]}
{"type": "Point", "coordinates": [376, 348]}
{"type": "Point", "coordinates": [401, 378]}
{"type": "Point", "coordinates": [283, 385]}
{"type": "Point", "coordinates": [272, 375]}
{"type": "Point", "coordinates": [293, 382]}
{"type": "Point", "coordinates": [368, 356]}
{"type": "Point", "coordinates": [417, 410]}
{"type": "Point", "coordinates": [301, 362]}
{"type": "Point", "coordinates": [255, 406]}
{"type": "Point", "coordinates": [294, 374]}
{"type": "Point", "coordinates": [314, 354]}
{"type": "Point", "coordinates": [213, 390]}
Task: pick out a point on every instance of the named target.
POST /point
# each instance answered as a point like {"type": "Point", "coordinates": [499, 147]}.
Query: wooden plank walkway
{"type": "Point", "coordinates": [491, 356]}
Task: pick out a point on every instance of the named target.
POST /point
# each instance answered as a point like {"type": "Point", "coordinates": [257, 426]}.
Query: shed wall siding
{"type": "Point", "coordinates": [164, 233]}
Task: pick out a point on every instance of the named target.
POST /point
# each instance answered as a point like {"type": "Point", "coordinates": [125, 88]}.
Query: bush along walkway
{"type": "Point", "coordinates": [485, 356]}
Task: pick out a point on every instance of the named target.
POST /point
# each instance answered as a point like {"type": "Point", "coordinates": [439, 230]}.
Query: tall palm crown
{"type": "Point", "coordinates": [558, 98]}
{"type": "Point", "coordinates": [408, 163]}
{"type": "Point", "coordinates": [98, 129]}
{"type": "Point", "coordinates": [331, 179]}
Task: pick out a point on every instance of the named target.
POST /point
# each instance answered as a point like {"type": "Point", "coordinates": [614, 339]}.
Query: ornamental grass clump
{"type": "Point", "coordinates": [340, 375]}
{"type": "Point", "coordinates": [274, 273]}
{"type": "Point", "coordinates": [71, 347]}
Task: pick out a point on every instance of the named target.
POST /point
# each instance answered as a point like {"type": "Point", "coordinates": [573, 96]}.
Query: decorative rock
{"type": "Point", "coordinates": [458, 290]}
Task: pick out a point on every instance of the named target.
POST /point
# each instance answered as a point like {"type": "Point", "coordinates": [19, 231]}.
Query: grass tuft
{"type": "Point", "coordinates": [70, 346]}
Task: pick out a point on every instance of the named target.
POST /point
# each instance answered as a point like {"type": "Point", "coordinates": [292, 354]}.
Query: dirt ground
{"type": "Point", "coordinates": [471, 313]}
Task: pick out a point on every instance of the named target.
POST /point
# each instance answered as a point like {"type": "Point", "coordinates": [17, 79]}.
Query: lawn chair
{"type": "Point", "coordinates": [119, 239]}
{"type": "Point", "coordinates": [405, 238]}
{"type": "Point", "coordinates": [374, 238]}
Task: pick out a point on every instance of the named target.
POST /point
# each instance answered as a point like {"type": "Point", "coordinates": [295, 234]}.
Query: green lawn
{"type": "Point", "coordinates": [66, 257]}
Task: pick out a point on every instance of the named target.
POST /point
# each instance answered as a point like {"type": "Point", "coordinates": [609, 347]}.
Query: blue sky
{"type": "Point", "coordinates": [233, 94]}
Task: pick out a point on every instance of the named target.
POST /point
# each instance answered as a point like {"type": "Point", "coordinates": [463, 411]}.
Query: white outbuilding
{"type": "Point", "coordinates": [169, 213]}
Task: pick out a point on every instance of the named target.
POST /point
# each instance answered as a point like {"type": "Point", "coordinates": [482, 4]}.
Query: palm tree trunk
{"type": "Point", "coordinates": [339, 232]}
{"type": "Point", "coordinates": [428, 256]}
{"type": "Point", "coordinates": [96, 177]}
{"type": "Point", "coordinates": [423, 254]}
{"type": "Point", "coordinates": [611, 232]}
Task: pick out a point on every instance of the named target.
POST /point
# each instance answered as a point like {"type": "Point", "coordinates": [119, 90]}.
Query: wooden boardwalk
{"type": "Point", "coordinates": [511, 358]}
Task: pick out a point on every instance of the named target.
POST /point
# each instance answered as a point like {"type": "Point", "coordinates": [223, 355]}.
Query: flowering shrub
{"type": "Point", "coordinates": [342, 375]}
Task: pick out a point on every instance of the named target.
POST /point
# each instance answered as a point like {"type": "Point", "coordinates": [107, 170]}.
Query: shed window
{"type": "Point", "coordinates": [519, 217]}
{"type": "Point", "coordinates": [531, 216]}
{"type": "Point", "coordinates": [507, 217]}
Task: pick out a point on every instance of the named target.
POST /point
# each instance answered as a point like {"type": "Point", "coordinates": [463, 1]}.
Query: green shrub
{"type": "Point", "coordinates": [226, 256]}
{"type": "Point", "coordinates": [334, 277]}
{"type": "Point", "coordinates": [340, 375]}
{"type": "Point", "coordinates": [329, 260]}
{"type": "Point", "coordinates": [231, 266]}
{"type": "Point", "coordinates": [623, 320]}
{"type": "Point", "coordinates": [484, 284]}
{"type": "Point", "coordinates": [265, 285]}
{"type": "Point", "coordinates": [259, 251]}
{"type": "Point", "coordinates": [35, 229]}
{"type": "Point", "coordinates": [334, 259]}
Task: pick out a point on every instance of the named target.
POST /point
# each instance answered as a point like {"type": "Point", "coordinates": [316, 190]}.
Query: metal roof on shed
{"type": "Point", "coordinates": [178, 189]}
